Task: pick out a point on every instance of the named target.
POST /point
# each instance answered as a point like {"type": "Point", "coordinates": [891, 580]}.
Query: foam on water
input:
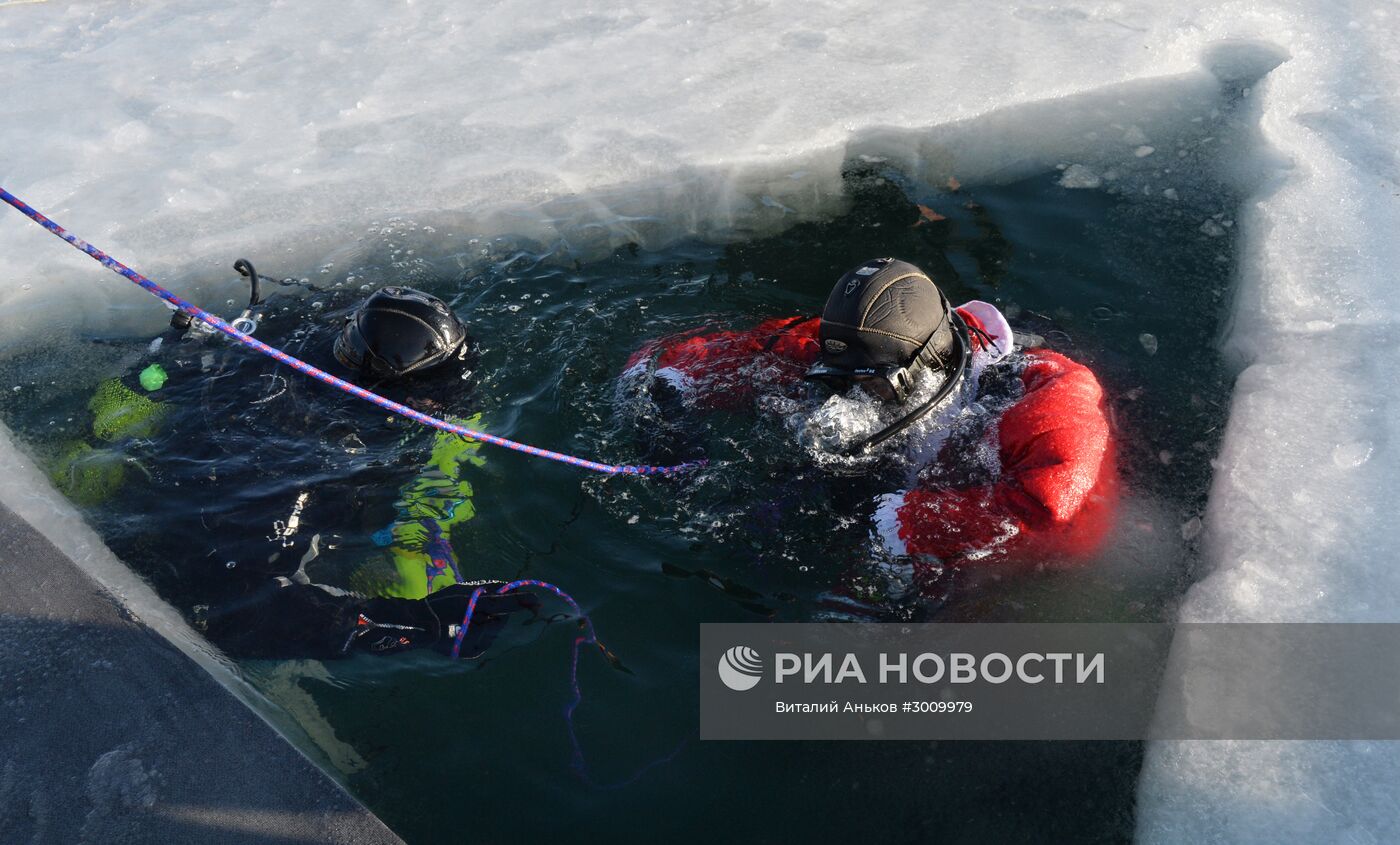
{"type": "Point", "coordinates": [842, 420]}
{"type": "Point", "coordinates": [177, 135]}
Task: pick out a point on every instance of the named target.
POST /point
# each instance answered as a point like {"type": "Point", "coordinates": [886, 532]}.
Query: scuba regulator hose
{"type": "Point", "coordinates": [234, 331]}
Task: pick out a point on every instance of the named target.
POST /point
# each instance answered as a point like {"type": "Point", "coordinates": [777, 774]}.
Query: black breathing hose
{"type": "Point", "coordinates": [245, 268]}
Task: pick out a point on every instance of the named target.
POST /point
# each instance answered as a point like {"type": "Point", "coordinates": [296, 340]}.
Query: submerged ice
{"type": "Point", "coordinates": [178, 135]}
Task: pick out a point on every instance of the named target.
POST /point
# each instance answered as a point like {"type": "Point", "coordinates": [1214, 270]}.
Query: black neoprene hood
{"type": "Point", "coordinates": [398, 331]}
{"type": "Point", "coordinates": [880, 315]}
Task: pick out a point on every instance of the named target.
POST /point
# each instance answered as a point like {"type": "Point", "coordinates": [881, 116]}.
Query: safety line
{"type": "Point", "coordinates": [215, 322]}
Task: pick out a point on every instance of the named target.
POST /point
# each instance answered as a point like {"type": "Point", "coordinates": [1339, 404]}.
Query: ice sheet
{"type": "Point", "coordinates": [182, 134]}
{"type": "Point", "coordinates": [178, 135]}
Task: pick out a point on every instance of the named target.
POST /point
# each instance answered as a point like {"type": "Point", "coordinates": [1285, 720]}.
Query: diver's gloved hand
{"type": "Point", "coordinates": [664, 436]}
{"type": "Point", "coordinates": [881, 591]}
{"type": "Point", "coordinates": [388, 625]}
{"type": "Point", "coordinates": [488, 619]}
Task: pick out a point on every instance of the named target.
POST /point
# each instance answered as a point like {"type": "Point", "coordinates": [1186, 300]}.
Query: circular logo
{"type": "Point", "coordinates": [740, 668]}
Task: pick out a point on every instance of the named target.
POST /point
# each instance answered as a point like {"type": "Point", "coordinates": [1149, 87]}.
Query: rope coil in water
{"type": "Point", "coordinates": [220, 325]}
{"type": "Point", "coordinates": [585, 635]}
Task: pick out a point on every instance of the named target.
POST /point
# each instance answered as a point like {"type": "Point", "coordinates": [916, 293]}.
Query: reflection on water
{"type": "Point", "coordinates": [480, 750]}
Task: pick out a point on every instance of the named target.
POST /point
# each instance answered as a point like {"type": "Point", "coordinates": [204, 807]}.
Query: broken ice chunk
{"type": "Point", "coordinates": [1079, 176]}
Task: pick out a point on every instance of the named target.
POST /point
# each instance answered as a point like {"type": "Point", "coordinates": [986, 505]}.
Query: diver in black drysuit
{"type": "Point", "coordinates": [248, 591]}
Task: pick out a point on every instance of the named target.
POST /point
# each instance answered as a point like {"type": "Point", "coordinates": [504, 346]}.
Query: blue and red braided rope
{"type": "Point", "coordinates": [214, 322]}
{"type": "Point", "coordinates": [585, 635]}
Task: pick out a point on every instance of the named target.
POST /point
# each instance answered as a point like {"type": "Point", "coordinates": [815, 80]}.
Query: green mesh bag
{"type": "Point", "coordinates": [87, 476]}
{"type": "Point", "coordinates": [118, 412]}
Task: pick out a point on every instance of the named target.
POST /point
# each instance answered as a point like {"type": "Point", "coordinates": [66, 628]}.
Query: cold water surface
{"type": "Point", "coordinates": [1133, 286]}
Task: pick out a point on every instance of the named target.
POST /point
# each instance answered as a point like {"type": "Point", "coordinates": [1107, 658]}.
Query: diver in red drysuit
{"type": "Point", "coordinates": [1052, 491]}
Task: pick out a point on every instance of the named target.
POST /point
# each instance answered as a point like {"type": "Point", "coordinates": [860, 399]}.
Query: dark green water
{"type": "Point", "coordinates": [480, 752]}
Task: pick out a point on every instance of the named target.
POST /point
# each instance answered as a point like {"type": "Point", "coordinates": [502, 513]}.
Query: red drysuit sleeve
{"type": "Point", "coordinates": [1058, 487]}
{"type": "Point", "coordinates": [721, 369]}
